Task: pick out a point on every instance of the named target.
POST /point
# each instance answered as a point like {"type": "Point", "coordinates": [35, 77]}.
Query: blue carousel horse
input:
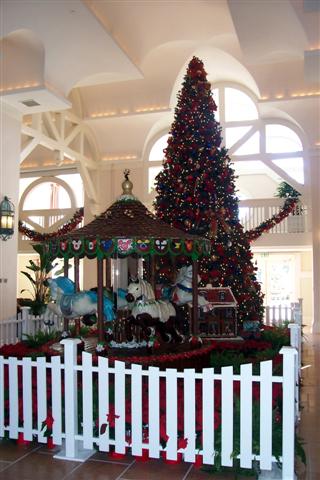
{"type": "Point", "coordinates": [150, 314]}
{"type": "Point", "coordinates": [71, 304]}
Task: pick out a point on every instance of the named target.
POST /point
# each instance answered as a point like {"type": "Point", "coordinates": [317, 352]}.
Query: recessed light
{"type": "Point", "coordinates": [30, 103]}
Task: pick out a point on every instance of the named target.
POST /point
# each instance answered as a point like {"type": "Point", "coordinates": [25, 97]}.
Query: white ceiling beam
{"type": "Point", "coordinates": [76, 130]}
{"type": "Point", "coordinates": [90, 187]}
{"type": "Point", "coordinates": [50, 125]}
{"type": "Point", "coordinates": [52, 144]}
{"type": "Point", "coordinates": [29, 148]}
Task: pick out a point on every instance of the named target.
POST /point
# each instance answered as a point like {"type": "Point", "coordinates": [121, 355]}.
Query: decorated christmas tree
{"type": "Point", "coordinates": [196, 193]}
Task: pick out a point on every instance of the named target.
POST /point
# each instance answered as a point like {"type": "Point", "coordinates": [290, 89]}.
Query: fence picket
{"type": "Point", "coordinates": [208, 415]}
{"type": "Point", "coordinates": [171, 413]}
{"type": "Point", "coordinates": [56, 399]}
{"type": "Point", "coordinates": [103, 395]}
{"type": "Point", "coordinates": [119, 406]}
{"type": "Point", "coordinates": [226, 416]}
{"type": "Point", "coordinates": [288, 411]}
{"type": "Point", "coordinates": [1, 396]}
{"type": "Point", "coordinates": [136, 409]}
{"type": "Point", "coordinates": [154, 430]}
{"type": "Point", "coordinates": [265, 415]}
{"type": "Point", "coordinates": [189, 414]}
{"type": "Point", "coordinates": [13, 398]}
{"type": "Point", "coordinates": [27, 398]}
{"type": "Point", "coordinates": [41, 396]}
{"type": "Point", "coordinates": [87, 402]}
{"type": "Point", "coordinates": [70, 395]}
{"type": "Point", "coordinates": [246, 416]}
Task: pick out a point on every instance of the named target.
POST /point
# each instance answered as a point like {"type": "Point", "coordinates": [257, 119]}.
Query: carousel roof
{"type": "Point", "coordinates": [125, 228]}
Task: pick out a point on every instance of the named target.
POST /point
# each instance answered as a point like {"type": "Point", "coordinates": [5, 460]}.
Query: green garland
{"type": "Point", "coordinates": [265, 226]}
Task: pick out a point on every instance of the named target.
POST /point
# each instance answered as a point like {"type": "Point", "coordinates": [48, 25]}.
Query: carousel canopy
{"type": "Point", "coordinates": [127, 228]}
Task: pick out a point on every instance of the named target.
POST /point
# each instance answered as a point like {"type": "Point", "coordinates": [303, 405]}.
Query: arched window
{"type": "Point", "coordinates": [257, 147]}
{"type": "Point", "coordinates": [48, 202]}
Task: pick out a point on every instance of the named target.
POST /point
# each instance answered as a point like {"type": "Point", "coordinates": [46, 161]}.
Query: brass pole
{"type": "Point", "coordinates": [77, 288]}
{"type": "Point", "coordinates": [100, 300]}
{"type": "Point", "coordinates": [194, 325]}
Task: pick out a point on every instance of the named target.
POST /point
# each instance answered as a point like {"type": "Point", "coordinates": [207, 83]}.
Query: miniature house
{"type": "Point", "coordinates": [219, 318]}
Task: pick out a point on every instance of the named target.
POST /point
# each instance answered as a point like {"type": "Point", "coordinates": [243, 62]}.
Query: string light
{"type": "Point", "coordinates": [120, 157]}
{"type": "Point", "coordinates": [23, 86]}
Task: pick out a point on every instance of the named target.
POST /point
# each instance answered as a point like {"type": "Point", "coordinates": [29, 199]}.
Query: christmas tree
{"type": "Point", "coordinates": [196, 193]}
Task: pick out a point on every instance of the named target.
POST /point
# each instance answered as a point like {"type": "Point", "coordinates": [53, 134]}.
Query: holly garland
{"type": "Point", "coordinates": [67, 227]}
{"type": "Point", "coordinates": [265, 226]}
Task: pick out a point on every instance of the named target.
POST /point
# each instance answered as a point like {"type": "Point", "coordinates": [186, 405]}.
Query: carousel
{"type": "Point", "coordinates": [125, 241]}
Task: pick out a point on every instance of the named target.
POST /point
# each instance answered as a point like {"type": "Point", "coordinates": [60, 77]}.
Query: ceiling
{"type": "Point", "coordinates": [120, 64]}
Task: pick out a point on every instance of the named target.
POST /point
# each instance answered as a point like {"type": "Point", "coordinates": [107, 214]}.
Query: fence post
{"type": "Point", "coordinates": [72, 449]}
{"type": "Point", "coordinates": [25, 314]}
{"type": "Point", "coordinates": [295, 341]}
{"type": "Point", "coordinates": [288, 412]}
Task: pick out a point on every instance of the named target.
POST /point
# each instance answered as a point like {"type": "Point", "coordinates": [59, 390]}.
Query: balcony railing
{"type": "Point", "coordinates": [253, 212]}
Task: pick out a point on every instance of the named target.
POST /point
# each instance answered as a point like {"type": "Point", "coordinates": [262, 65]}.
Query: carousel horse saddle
{"type": "Point", "coordinates": [66, 305]}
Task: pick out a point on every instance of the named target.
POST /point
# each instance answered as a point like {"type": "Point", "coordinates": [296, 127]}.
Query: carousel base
{"type": "Point", "coordinates": [169, 355]}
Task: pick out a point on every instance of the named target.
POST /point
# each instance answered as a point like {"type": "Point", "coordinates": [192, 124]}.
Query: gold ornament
{"type": "Point", "coordinates": [127, 185]}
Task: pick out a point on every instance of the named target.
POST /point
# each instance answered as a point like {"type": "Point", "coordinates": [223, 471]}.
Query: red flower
{"type": "Point", "coordinates": [182, 443]}
{"type": "Point", "coordinates": [49, 421]}
{"type": "Point", "coordinates": [111, 417]}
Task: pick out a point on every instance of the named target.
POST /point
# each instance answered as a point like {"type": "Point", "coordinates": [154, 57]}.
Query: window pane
{"type": "Point", "coordinates": [250, 146]}
{"type": "Point", "coordinates": [239, 106]}
{"type": "Point", "coordinates": [156, 152]}
{"type": "Point", "coordinates": [75, 182]}
{"type": "Point", "coordinates": [152, 173]}
{"type": "Point", "coordinates": [24, 183]}
{"type": "Point", "coordinates": [234, 134]}
{"type": "Point", "coordinates": [281, 139]}
{"type": "Point", "coordinates": [47, 195]}
{"type": "Point", "coordinates": [215, 92]}
{"type": "Point", "coordinates": [293, 167]}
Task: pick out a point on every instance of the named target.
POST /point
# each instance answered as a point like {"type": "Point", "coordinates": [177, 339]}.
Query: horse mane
{"type": "Point", "coordinates": [146, 289]}
{"type": "Point", "coordinates": [183, 274]}
{"type": "Point", "coordinates": [65, 284]}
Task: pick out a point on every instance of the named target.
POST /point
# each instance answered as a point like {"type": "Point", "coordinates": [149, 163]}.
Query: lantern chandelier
{"type": "Point", "coordinates": [6, 219]}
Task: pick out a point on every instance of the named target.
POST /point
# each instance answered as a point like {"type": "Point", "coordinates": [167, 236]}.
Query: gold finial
{"type": "Point", "coordinates": [127, 185]}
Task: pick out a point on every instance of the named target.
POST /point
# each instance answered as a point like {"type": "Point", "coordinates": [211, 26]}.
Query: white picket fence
{"type": "Point", "coordinates": [13, 329]}
{"type": "Point", "coordinates": [74, 429]}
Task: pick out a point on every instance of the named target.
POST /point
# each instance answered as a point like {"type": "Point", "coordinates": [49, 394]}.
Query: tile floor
{"type": "Point", "coordinates": [34, 462]}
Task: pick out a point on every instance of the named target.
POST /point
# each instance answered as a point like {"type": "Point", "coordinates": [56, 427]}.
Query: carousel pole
{"type": "Point", "coordinates": [100, 299]}
{"type": "Point", "coordinates": [152, 272]}
{"type": "Point", "coordinates": [194, 321]}
{"type": "Point", "coordinates": [65, 274]}
{"type": "Point", "coordinates": [108, 272]}
{"type": "Point", "coordinates": [77, 288]}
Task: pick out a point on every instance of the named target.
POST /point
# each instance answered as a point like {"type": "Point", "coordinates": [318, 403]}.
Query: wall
{"type": "Point", "coordinates": [10, 127]}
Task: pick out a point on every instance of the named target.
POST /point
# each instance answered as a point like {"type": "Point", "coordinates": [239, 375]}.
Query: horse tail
{"type": "Point", "coordinates": [108, 310]}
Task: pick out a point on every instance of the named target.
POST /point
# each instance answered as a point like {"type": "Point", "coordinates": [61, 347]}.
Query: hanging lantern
{"type": "Point", "coordinates": [6, 218]}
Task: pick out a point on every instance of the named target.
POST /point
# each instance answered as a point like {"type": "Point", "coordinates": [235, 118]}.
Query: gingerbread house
{"type": "Point", "coordinates": [219, 317]}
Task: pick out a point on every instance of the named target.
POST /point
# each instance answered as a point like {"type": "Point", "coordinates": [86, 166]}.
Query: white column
{"type": "Point", "coordinates": [315, 200]}
{"type": "Point", "coordinates": [10, 141]}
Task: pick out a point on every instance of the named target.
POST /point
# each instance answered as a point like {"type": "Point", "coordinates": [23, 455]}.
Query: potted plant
{"type": "Point", "coordinates": [295, 219]}
{"type": "Point", "coordinates": [39, 273]}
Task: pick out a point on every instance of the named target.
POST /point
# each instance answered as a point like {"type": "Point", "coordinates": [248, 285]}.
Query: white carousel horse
{"type": "Point", "coordinates": [71, 304]}
{"type": "Point", "coordinates": [182, 292]}
{"type": "Point", "coordinates": [149, 313]}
